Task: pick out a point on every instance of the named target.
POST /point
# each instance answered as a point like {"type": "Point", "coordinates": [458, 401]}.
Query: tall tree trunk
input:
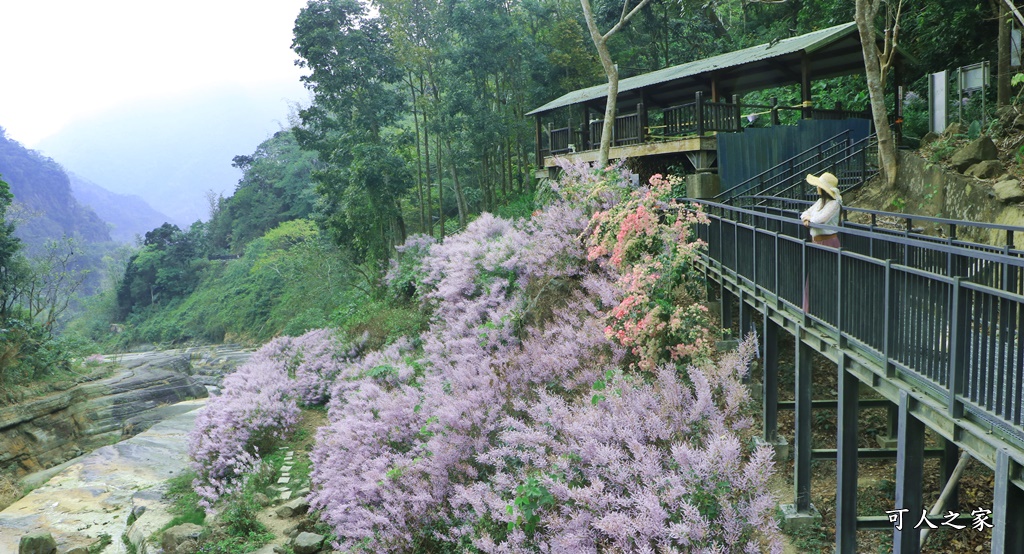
{"type": "Point", "coordinates": [460, 198]}
{"type": "Point", "coordinates": [440, 186]}
{"type": "Point", "coordinates": [611, 70]}
{"type": "Point", "coordinates": [875, 65]}
{"type": "Point", "coordinates": [1003, 56]}
{"type": "Point", "coordinates": [426, 156]}
{"type": "Point", "coordinates": [419, 156]}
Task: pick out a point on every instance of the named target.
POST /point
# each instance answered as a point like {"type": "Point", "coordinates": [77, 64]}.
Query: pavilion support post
{"type": "Point", "coordinates": [909, 469]}
{"type": "Point", "coordinates": [739, 115]}
{"type": "Point", "coordinates": [585, 128]}
{"type": "Point", "coordinates": [774, 103]}
{"type": "Point", "coordinates": [537, 138]}
{"type": "Point", "coordinates": [699, 99]}
{"type": "Point", "coordinates": [805, 86]}
{"type": "Point", "coordinates": [1007, 507]}
{"type": "Point", "coordinates": [641, 114]}
{"type": "Point", "coordinates": [846, 461]}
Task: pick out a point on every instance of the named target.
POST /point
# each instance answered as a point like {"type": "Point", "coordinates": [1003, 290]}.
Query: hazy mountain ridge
{"type": "Point", "coordinates": [128, 214]}
{"type": "Point", "coordinates": [42, 190]}
{"type": "Point", "coordinates": [171, 152]}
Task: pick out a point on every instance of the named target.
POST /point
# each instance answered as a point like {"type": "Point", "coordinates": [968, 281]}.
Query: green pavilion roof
{"type": "Point", "coordinates": [830, 52]}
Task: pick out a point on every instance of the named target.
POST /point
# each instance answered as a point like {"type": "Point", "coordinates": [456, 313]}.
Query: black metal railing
{"type": "Point", "coordinates": [953, 334]}
{"type": "Point", "coordinates": [850, 162]}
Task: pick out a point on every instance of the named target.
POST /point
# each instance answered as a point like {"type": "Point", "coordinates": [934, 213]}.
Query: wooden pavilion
{"type": "Point", "coordinates": [680, 109]}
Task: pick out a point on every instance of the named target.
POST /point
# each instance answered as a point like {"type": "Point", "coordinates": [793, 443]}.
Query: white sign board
{"type": "Point", "coordinates": [973, 77]}
{"type": "Point", "coordinates": [1015, 48]}
{"type": "Point", "coordinates": [938, 101]}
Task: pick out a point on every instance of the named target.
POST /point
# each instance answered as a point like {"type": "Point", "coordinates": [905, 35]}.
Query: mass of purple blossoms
{"type": "Point", "coordinates": [513, 424]}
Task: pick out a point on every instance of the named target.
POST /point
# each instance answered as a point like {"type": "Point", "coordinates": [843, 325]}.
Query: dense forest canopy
{"type": "Point", "coordinates": [416, 125]}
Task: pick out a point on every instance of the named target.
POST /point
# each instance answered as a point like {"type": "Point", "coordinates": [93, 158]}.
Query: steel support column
{"type": "Point", "coordinates": [727, 297]}
{"type": "Point", "coordinates": [846, 461]}
{"type": "Point", "coordinates": [745, 318]}
{"type": "Point", "coordinates": [802, 429]}
{"type": "Point", "coordinates": [1007, 508]}
{"type": "Point", "coordinates": [950, 457]}
{"type": "Point", "coordinates": [909, 471]}
{"type": "Point", "coordinates": [770, 386]}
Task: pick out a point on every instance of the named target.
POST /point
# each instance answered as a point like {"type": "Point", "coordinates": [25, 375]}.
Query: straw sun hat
{"type": "Point", "coordinates": [828, 183]}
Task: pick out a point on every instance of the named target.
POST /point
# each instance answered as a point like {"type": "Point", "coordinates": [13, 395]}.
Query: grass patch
{"type": "Point", "coordinates": [10, 492]}
{"type": "Point", "coordinates": [185, 501]}
{"type": "Point", "coordinates": [97, 547]}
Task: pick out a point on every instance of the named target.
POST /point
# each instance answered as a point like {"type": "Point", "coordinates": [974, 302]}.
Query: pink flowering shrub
{"type": "Point", "coordinates": [646, 238]}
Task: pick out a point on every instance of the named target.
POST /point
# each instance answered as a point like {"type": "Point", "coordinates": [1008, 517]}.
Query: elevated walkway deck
{"type": "Point", "coordinates": [933, 327]}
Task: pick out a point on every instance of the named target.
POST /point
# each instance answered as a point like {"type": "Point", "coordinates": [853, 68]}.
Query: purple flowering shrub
{"type": "Point", "coordinates": [517, 422]}
{"type": "Point", "coordinates": [260, 403]}
{"type": "Point", "coordinates": [652, 467]}
{"type": "Point", "coordinates": [515, 428]}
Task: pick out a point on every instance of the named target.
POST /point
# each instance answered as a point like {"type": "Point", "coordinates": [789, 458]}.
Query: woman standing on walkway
{"type": "Point", "coordinates": [823, 212]}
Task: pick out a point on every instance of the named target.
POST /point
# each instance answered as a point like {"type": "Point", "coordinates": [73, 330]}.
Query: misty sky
{"type": "Point", "coordinates": [66, 60]}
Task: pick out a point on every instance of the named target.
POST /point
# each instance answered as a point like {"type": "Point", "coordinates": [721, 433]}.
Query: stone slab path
{"type": "Point", "coordinates": [96, 493]}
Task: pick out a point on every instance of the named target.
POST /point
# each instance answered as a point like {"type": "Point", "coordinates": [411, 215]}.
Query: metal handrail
{"type": "Point", "coordinates": [913, 217]}
{"type": "Point", "coordinates": [957, 341]}
{"type": "Point", "coordinates": [843, 136]}
{"type": "Point", "coordinates": [854, 150]}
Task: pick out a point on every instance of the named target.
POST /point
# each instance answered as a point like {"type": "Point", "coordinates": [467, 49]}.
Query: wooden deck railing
{"type": "Point", "coordinates": [677, 122]}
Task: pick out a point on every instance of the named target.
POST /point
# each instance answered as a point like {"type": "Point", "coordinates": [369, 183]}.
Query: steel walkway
{"type": "Point", "coordinates": [932, 325]}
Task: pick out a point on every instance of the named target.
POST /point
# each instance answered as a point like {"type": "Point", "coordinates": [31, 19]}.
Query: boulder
{"type": "Point", "coordinates": [1008, 191]}
{"type": "Point", "coordinates": [187, 546]}
{"type": "Point", "coordinates": [37, 543]}
{"type": "Point", "coordinates": [929, 138]}
{"type": "Point", "coordinates": [1018, 122]}
{"type": "Point", "coordinates": [180, 364]}
{"type": "Point", "coordinates": [294, 508]}
{"type": "Point", "coordinates": [307, 543]}
{"type": "Point", "coordinates": [976, 151]}
{"type": "Point", "coordinates": [78, 550]}
{"type": "Point", "coordinates": [179, 534]}
{"type": "Point", "coordinates": [955, 128]}
{"type": "Point", "coordinates": [985, 170]}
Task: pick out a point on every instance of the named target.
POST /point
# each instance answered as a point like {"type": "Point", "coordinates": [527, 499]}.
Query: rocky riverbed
{"type": "Point", "coordinates": [146, 408]}
{"type": "Point", "coordinates": [96, 493]}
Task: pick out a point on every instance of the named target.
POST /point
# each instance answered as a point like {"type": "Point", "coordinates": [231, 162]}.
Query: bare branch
{"type": "Point", "coordinates": [623, 20]}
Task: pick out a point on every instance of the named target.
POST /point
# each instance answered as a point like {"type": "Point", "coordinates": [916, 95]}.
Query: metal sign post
{"type": "Point", "coordinates": [971, 78]}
